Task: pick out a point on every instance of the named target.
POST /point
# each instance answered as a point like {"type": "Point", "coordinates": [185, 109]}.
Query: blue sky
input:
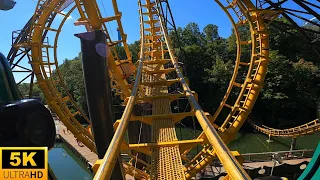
{"type": "Point", "coordinates": [203, 12]}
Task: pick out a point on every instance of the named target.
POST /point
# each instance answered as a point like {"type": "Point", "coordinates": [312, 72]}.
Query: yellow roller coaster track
{"type": "Point", "coordinates": [308, 128]}
{"type": "Point", "coordinates": [45, 62]}
{"type": "Point", "coordinates": [167, 153]}
{"type": "Point", "coordinates": [157, 61]}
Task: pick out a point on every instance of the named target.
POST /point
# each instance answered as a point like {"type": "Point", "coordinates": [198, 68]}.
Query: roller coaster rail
{"type": "Point", "coordinates": [308, 128]}
{"type": "Point", "coordinates": [157, 69]}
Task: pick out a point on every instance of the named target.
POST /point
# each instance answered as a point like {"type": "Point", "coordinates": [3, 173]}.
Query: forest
{"type": "Point", "coordinates": [291, 92]}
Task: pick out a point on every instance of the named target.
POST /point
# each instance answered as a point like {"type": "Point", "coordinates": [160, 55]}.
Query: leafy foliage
{"type": "Point", "coordinates": [72, 74]}
{"type": "Point", "coordinates": [24, 89]}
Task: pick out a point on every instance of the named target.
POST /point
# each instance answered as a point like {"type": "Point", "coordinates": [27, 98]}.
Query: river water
{"type": "Point", "coordinates": [67, 166]}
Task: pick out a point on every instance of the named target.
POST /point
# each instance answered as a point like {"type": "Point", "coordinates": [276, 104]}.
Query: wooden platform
{"type": "Point", "coordinates": [90, 156]}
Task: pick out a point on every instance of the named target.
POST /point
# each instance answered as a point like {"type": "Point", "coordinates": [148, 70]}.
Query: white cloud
{"type": "Point", "coordinates": [17, 68]}
{"type": "Point", "coordinates": [48, 70]}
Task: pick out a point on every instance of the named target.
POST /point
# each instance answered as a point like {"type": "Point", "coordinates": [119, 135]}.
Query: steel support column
{"type": "Point", "coordinates": [293, 144]}
{"type": "Point", "coordinates": [98, 90]}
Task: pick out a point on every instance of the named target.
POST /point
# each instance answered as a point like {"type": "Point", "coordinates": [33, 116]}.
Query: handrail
{"type": "Point", "coordinates": [284, 155]}
{"type": "Point", "coordinates": [277, 152]}
{"type": "Point", "coordinates": [232, 166]}
{"type": "Point", "coordinates": [109, 159]}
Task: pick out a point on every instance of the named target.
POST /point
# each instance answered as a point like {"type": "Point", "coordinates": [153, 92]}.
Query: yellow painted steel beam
{"type": "Point", "coordinates": [120, 28]}
{"type": "Point", "coordinates": [46, 83]}
{"type": "Point", "coordinates": [94, 17]}
{"type": "Point", "coordinates": [168, 82]}
{"type": "Point", "coordinates": [231, 165]}
{"type": "Point", "coordinates": [108, 162]}
{"type": "Point", "coordinates": [259, 58]}
{"type": "Point", "coordinates": [262, 69]}
{"type": "Point", "coordinates": [111, 18]}
{"type": "Point", "coordinates": [49, 85]}
{"type": "Point", "coordinates": [119, 62]}
{"type": "Point", "coordinates": [172, 97]}
{"type": "Point", "coordinates": [104, 171]}
{"type": "Point", "coordinates": [120, 81]}
{"type": "Point", "coordinates": [159, 71]}
{"type": "Point", "coordinates": [82, 16]}
{"type": "Point", "coordinates": [135, 172]}
{"type": "Point", "coordinates": [153, 37]}
{"type": "Point", "coordinates": [146, 148]}
{"type": "Point", "coordinates": [165, 144]}
{"type": "Point", "coordinates": [160, 61]}
{"type": "Point", "coordinates": [176, 117]}
{"type": "Point", "coordinates": [92, 12]}
{"type": "Point", "coordinates": [237, 63]}
{"type": "Point", "coordinates": [163, 129]}
{"type": "Point", "coordinates": [57, 69]}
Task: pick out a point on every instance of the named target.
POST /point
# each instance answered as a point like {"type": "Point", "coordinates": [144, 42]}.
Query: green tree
{"type": "Point", "coordinates": [217, 81]}
{"type": "Point", "coordinates": [24, 89]}
{"type": "Point", "coordinates": [72, 75]}
{"type": "Point", "coordinates": [191, 35]}
{"type": "Point", "coordinates": [211, 32]}
{"type": "Point", "coordinates": [135, 49]}
{"type": "Point", "coordinates": [290, 43]}
{"type": "Point", "coordinates": [290, 94]}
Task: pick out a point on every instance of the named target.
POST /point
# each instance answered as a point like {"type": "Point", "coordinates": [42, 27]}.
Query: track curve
{"type": "Point", "coordinates": [45, 63]}
{"type": "Point", "coordinates": [308, 128]}
{"type": "Point", "coordinates": [248, 89]}
{"type": "Point", "coordinates": [240, 13]}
